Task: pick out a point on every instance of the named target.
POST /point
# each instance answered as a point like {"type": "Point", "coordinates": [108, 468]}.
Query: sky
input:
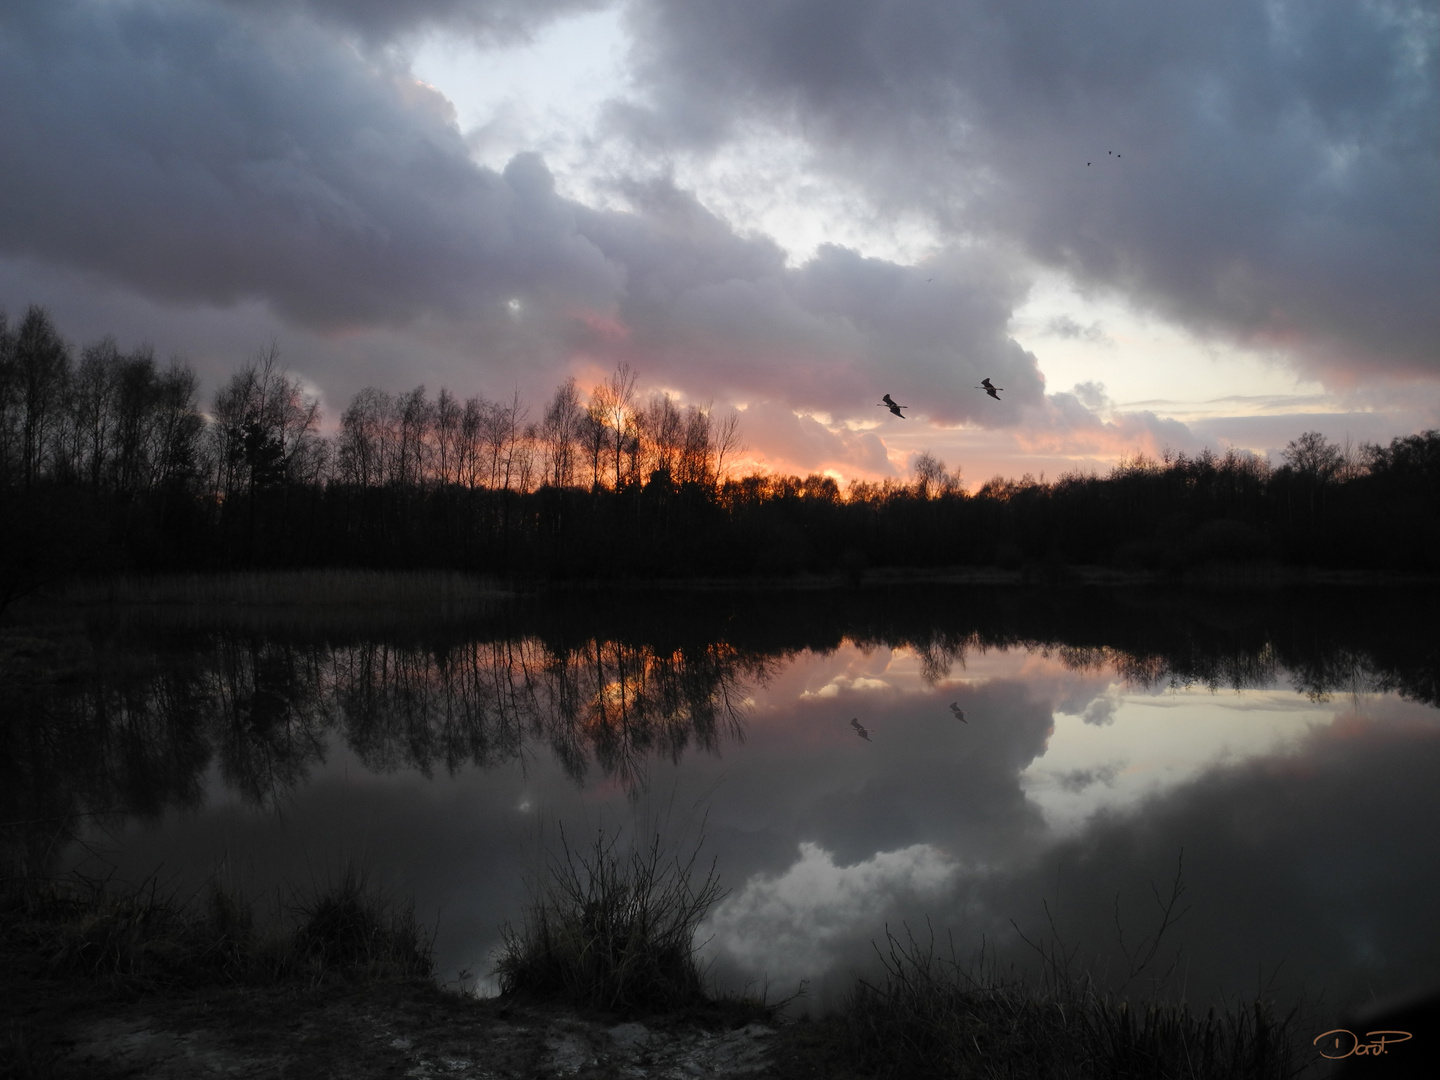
{"type": "Point", "coordinates": [1155, 225]}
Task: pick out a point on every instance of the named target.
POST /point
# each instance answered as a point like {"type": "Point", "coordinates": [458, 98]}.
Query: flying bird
{"type": "Point", "coordinates": [959, 712]}
{"type": "Point", "coordinates": [989, 387]}
{"type": "Point", "coordinates": [887, 402]}
{"type": "Point", "coordinates": [860, 729]}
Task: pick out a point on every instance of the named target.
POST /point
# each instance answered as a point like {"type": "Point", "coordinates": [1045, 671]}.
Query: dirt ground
{"type": "Point", "coordinates": [385, 1031]}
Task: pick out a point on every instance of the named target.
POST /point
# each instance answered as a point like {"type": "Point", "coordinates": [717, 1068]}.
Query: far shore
{"type": "Point", "coordinates": [340, 589]}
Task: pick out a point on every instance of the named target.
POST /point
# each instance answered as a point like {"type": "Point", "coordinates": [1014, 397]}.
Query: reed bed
{"type": "Point", "coordinates": [612, 931]}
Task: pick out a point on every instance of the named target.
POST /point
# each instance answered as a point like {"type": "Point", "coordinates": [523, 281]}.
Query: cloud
{"type": "Point", "coordinates": [1272, 433]}
{"type": "Point", "coordinates": [198, 157]}
{"type": "Point", "coordinates": [1098, 710]}
{"type": "Point", "coordinates": [802, 444]}
{"type": "Point", "coordinates": [1259, 171]}
{"type": "Point", "coordinates": [1087, 424]}
{"type": "Point", "coordinates": [830, 335]}
{"type": "Point", "coordinates": [1064, 326]}
{"type": "Point", "coordinates": [1102, 710]}
{"type": "Point", "coordinates": [1077, 780]}
{"type": "Point", "coordinates": [786, 925]}
{"type": "Point", "coordinates": [378, 21]}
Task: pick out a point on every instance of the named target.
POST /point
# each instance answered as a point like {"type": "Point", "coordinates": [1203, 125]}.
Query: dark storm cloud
{"type": "Point", "coordinates": [832, 334]}
{"type": "Point", "coordinates": [197, 158]}
{"type": "Point", "coordinates": [1263, 170]}
{"type": "Point", "coordinates": [1077, 780]}
{"type": "Point", "coordinates": [382, 20]}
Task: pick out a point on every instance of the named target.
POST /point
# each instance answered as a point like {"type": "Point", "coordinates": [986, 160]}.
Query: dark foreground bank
{"type": "Point", "coordinates": [601, 979]}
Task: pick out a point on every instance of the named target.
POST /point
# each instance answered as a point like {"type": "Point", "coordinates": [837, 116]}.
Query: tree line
{"type": "Point", "coordinates": [109, 462]}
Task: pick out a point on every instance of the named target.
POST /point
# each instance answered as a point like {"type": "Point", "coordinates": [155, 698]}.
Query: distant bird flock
{"type": "Point", "coordinates": [864, 732]}
{"type": "Point", "coordinates": [887, 402]}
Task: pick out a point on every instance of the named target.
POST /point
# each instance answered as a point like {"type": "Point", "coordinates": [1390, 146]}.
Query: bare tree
{"type": "Point", "coordinates": [663, 429]}
{"type": "Point", "coordinates": [619, 413]}
{"type": "Point", "coordinates": [448, 415]}
{"type": "Point", "coordinates": [94, 419]}
{"type": "Point", "coordinates": [265, 429]}
{"type": "Point", "coordinates": [178, 426]}
{"type": "Point", "coordinates": [415, 417]}
{"type": "Point", "coordinates": [593, 436]}
{"type": "Point", "coordinates": [472, 430]}
{"type": "Point", "coordinates": [362, 445]}
{"type": "Point", "coordinates": [136, 415]}
{"type": "Point", "coordinates": [10, 410]}
{"type": "Point", "coordinates": [1314, 457]}
{"type": "Point", "coordinates": [516, 444]}
{"type": "Point", "coordinates": [560, 434]}
{"type": "Point", "coordinates": [696, 448]}
{"type": "Point", "coordinates": [41, 372]}
{"type": "Point", "coordinates": [727, 444]}
{"type": "Point", "coordinates": [931, 479]}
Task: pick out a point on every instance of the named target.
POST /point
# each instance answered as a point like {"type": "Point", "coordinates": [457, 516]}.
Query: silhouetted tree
{"type": "Point", "coordinates": [41, 374]}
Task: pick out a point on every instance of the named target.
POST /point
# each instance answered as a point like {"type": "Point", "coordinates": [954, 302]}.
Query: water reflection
{"type": "Point", "coordinates": [1275, 738]}
{"type": "Point", "coordinates": [120, 726]}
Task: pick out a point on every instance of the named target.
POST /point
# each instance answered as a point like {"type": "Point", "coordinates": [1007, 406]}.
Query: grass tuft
{"type": "Point", "coordinates": [353, 929]}
{"type": "Point", "coordinates": [612, 931]}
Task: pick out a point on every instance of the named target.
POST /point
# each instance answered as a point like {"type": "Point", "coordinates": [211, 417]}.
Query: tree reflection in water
{"type": "Point", "coordinates": [114, 729]}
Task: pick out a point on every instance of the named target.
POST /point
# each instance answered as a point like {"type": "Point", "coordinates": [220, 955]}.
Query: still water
{"type": "Point", "coordinates": [1278, 751]}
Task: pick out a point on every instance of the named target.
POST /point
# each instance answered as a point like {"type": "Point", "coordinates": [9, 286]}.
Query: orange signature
{"type": "Point", "coordinates": [1353, 1045]}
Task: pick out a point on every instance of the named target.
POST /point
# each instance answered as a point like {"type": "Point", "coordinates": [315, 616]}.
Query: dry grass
{"type": "Point", "coordinates": [932, 1016]}
{"type": "Point", "coordinates": [141, 938]}
{"type": "Point", "coordinates": [612, 931]}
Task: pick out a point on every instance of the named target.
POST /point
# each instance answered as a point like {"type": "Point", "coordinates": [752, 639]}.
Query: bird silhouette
{"type": "Point", "coordinates": [989, 387]}
{"type": "Point", "coordinates": [959, 712]}
{"type": "Point", "coordinates": [860, 729]}
{"type": "Point", "coordinates": [887, 402]}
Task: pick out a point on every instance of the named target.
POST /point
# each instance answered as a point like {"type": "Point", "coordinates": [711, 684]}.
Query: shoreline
{"type": "Point", "coordinates": [401, 590]}
{"type": "Point", "coordinates": [173, 1017]}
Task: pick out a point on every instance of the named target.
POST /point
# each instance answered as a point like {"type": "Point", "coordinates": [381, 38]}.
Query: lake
{"type": "Point", "coordinates": [1275, 752]}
